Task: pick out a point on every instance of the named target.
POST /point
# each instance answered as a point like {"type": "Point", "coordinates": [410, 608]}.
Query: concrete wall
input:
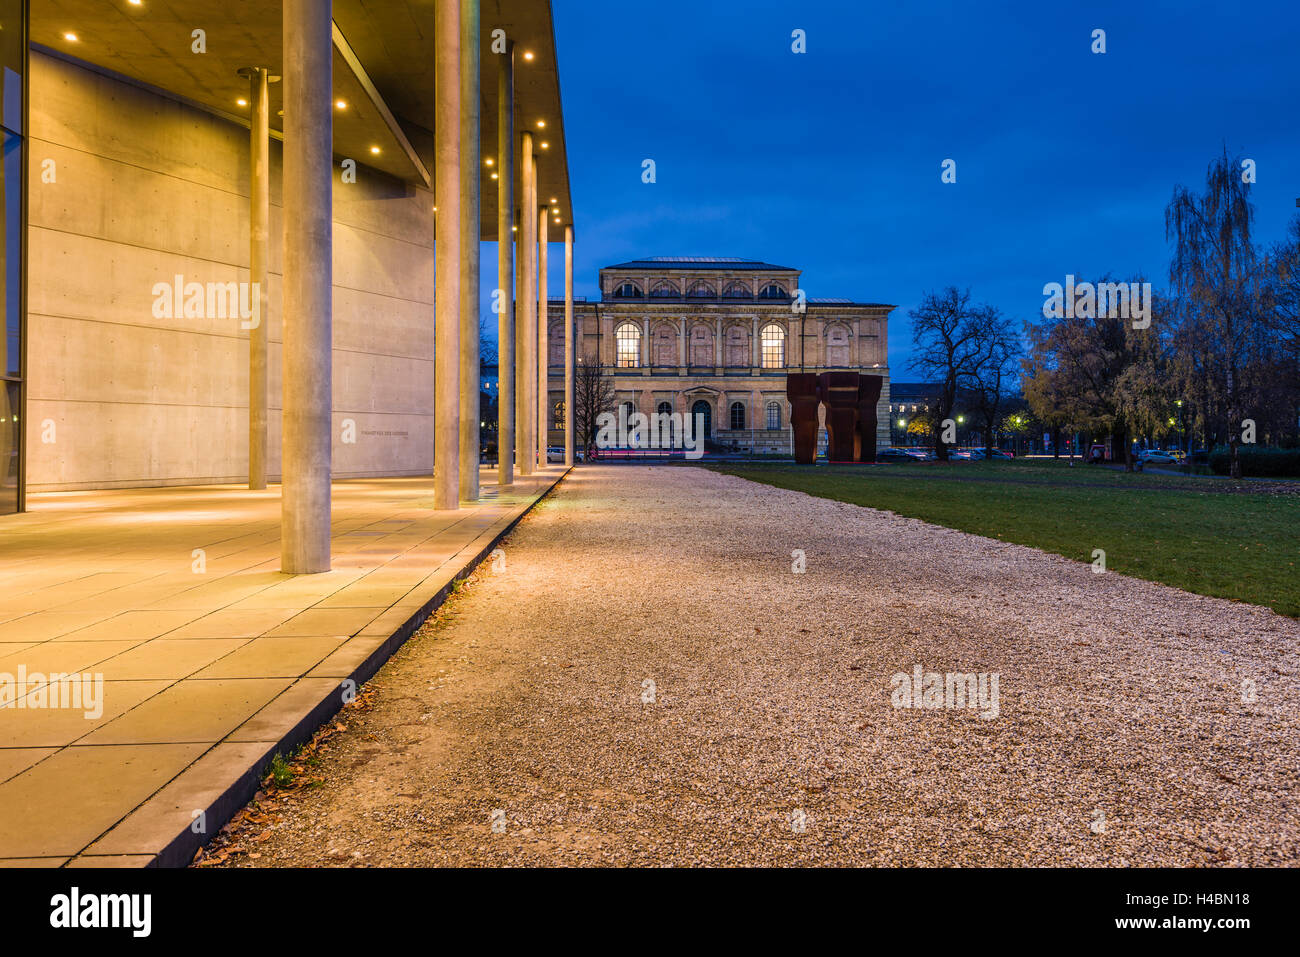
{"type": "Point", "coordinates": [145, 188]}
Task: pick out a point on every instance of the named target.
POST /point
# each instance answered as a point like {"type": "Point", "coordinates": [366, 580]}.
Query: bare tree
{"type": "Point", "coordinates": [946, 332]}
{"type": "Point", "coordinates": [593, 393]}
{"type": "Point", "coordinates": [1216, 274]}
{"type": "Point", "coordinates": [993, 372]}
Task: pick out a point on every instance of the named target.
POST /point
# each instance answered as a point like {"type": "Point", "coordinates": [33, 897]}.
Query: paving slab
{"type": "Point", "coordinates": [211, 659]}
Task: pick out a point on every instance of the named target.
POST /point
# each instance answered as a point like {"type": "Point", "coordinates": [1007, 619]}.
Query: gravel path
{"type": "Point", "coordinates": [1121, 735]}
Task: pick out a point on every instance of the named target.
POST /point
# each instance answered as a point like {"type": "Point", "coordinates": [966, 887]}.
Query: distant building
{"type": "Point", "coordinates": [716, 337]}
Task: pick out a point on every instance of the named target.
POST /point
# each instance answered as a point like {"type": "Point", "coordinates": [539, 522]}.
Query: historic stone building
{"type": "Point", "coordinates": [717, 336]}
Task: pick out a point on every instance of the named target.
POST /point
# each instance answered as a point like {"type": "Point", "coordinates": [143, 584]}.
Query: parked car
{"type": "Point", "coordinates": [555, 453]}
{"type": "Point", "coordinates": [1157, 457]}
{"type": "Point", "coordinates": [921, 455]}
{"type": "Point", "coordinates": [1003, 454]}
{"type": "Point", "coordinates": [894, 455]}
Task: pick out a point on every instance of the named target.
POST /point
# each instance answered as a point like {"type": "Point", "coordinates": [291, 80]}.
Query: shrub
{"type": "Point", "coordinates": [1258, 462]}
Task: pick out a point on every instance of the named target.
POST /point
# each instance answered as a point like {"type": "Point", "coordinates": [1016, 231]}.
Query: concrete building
{"type": "Point", "coordinates": [716, 337]}
{"type": "Point", "coordinates": [214, 294]}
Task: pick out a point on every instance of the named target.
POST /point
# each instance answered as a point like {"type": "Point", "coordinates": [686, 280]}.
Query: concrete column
{"type": "Point", "coordinates": [506, 266]}
{"type": "Point", "coordinates": [447, 255]}
{"type": "Point", "coordinates": [526, 327]}
{"type": "Point", "coordinates": [471, 178]}
{"type": "Point", "coordinates": [308, 286]}
{"type": "Point", "coordinates": [259, 237]}
{"type": "Point", "coordinates": [570, 345]}
{"type": "Point", "coordinates": [543, 336]}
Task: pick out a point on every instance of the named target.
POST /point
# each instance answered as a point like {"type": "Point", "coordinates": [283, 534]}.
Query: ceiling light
{"type": "Point", "coordinates": [541, 124]}
{"type": "Point", "coordinates": [488, 161]}
{"type": "Point", "coordinates": [242, 102]}
{"type": "Point", "coordinates": [514, 229]}
{"type": "Point", "coordinates": [374, 149]}
{"type": "Point", "coordinates": [341, 104]}
{"type": "Point", "coordinates": [528, 54]}
{"type": "Point", "coordinates": [494, 176]}
{"type": "Point", "coordinates": [70, 37]}
{"type": "Point", "coordinates": [545, 145]}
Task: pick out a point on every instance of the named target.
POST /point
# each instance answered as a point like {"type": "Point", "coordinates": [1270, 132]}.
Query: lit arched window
{"type": "Point", "coordinates": [628, 339]}
{"type": "Point", "coordinates": [773, 337]}
{"type": "Point", "coordinates": [628, 290]}
{"type": "Point", "coordinates": [773, 291]}
{"type": "Point", "coordinates": [737, 415]}
{"type": "Point", "coordinates": [773, 415]}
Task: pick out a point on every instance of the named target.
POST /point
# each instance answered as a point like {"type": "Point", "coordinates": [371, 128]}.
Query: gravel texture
{"type": "Point", "coordinates": [1122, 736]}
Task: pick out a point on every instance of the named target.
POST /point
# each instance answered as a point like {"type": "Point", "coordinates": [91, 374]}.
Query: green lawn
{"type": "Point", "coordinates": [1180, 530]}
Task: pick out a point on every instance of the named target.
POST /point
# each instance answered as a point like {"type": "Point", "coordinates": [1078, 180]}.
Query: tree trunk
{"type": "Point", "coordinates": [1056, 442]}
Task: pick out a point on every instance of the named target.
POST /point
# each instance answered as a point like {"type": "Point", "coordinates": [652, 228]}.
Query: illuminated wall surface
{"type": "Point", "coordinates": [13, 45]}
{"type": "Point", "coordinates": [127, 389]}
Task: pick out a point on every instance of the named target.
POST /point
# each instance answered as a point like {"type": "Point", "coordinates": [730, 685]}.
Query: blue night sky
{"type": "Point", "coordinates": [830, 161]}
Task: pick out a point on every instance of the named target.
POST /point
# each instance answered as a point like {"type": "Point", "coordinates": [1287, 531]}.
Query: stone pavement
{"type": "Point", "coordinates": [210, 659]}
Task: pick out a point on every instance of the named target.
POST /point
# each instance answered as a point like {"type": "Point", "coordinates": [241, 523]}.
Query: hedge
{"type": "Point", "coordinates": [1257, 462]}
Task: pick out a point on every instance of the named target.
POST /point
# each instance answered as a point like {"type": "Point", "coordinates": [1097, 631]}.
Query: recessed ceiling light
{"type": "Point", "coordinates": [374, 149]}
{"type": "Point", "coordinates": [528, 54]}
{"type": "Point", "coordinates": [488, 161]}
{"type": "Point", "coordinates": [242, 102]}
{"type": "Point", "coordinates": [541, 124]}
{"type": "Point", "coordinates": [70, 37]}
{"type": "Point", "coordinates": [554, 200]}
{"type": "Point", "coordinates": [545, 145]}
{"type": "Point", "coordinates": [494, 176]}
{"type": "Point", "coordinates": [341, 104]}
{"type": "Point", "coordinates": [514, 229]}
{"type": "Point", "coordinates": [135, 3]}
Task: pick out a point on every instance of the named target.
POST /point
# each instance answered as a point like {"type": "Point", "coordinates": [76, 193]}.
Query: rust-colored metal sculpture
{"type": "Point", "coordinates": [839, 393]}
{"type": "Point", "coordinates": [868, 395]}
{"type": "Point", "coordinates": [801, 390]}
{"type": "Point", "coordinates": [851, 418]}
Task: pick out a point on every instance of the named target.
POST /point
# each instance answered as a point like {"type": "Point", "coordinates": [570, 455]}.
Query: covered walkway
{"type": "Point", "coordinates": [211, 659]}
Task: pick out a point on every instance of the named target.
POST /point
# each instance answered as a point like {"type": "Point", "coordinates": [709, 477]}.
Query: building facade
{"type": "Point", "coordinates": [717, 337]}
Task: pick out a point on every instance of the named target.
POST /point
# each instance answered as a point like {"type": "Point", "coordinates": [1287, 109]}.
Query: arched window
{"type": "Point", "coordinates": [737, 290]}
{"type": "Point", "coordinates": [628, 290]}
{"type": "Point", "coordinates": [737, 415]}
{"type": "Point", "coordinates": [702, 290]}
{"type": "Point", "coordinates": [665, 290]}
{"type": "Point", "coordinates": [773, 338]}
{"type": "Point", "coordinates": [773, 291]}
{"type": "Point", "coordinates": [559, 415]}
{"type": "Point", "coordinates": [664, 408]}
{"type": "Point", "coordinates": [628, 339]}
{"type": "Point", "coordinates": [628, 409]}
{"type": "Point", "coordinates": [773, 415]}
{"type": "Point", "coordinates": [702, 411]}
